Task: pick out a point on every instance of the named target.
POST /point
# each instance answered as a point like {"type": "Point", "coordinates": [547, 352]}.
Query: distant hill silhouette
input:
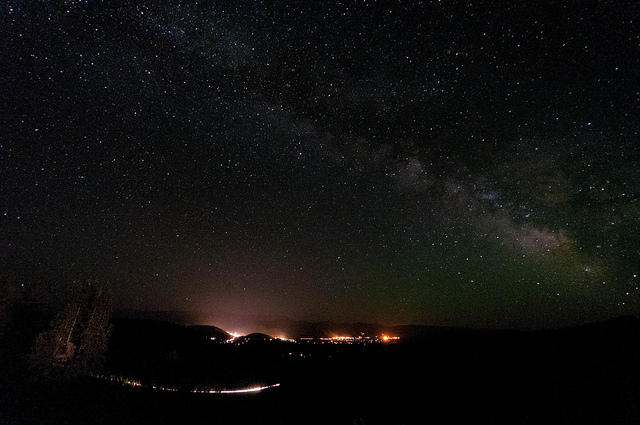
{"type": "Point", "coordinates": [168, 354]}
{"type": "Point", "coordinates": [256, 336]}
{"type": "Point", "coordinates": [211, 332]}
{"type": "Point", "coordinates": [145, 346]}
{"type": "Point", "coordinates": [280, 326]}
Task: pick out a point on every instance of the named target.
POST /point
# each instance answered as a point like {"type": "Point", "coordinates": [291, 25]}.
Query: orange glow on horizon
{"type": "Point", "coordinates": [387, 338]}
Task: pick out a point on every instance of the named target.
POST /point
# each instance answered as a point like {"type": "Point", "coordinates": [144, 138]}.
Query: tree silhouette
{"type": "Point", "coordinates": [8, 299]}
{"type": "Point", "coordinates": [77, 340]}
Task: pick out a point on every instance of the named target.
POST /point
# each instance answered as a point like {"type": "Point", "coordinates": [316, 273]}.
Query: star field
{"type": "Point", "coordinates": [449, 163]}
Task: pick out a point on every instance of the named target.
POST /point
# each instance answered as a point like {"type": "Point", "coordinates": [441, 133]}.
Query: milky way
{"type": "Point", "coordinates": [447, 163]}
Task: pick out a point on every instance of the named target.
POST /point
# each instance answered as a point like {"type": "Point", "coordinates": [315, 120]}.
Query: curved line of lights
{"type": "Point", "coordinates": [247, 390]}
{"type": "Point", "coordinates": [136, 383]}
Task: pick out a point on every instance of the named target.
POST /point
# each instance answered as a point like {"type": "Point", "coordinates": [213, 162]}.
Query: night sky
{"type": "Point", "coordinates": [444, 162]}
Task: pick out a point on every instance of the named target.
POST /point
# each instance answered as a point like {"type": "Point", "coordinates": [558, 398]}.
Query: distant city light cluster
{"type": "Point", "coordinates": [387, 338]}
{"type": "Point", "coordinates": [338, 339]}
{"type": "Point", "coordinates": [352, 340]}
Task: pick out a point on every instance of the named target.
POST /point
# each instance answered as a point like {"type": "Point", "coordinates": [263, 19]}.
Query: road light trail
{"type": "Point", "coordinates": [136, 383]}
{"type": "Point", "coordinates": [246, 390]}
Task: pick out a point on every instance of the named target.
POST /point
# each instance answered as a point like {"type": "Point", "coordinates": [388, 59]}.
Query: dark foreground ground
{"type": "Point", "coordinates": [578, 376]}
